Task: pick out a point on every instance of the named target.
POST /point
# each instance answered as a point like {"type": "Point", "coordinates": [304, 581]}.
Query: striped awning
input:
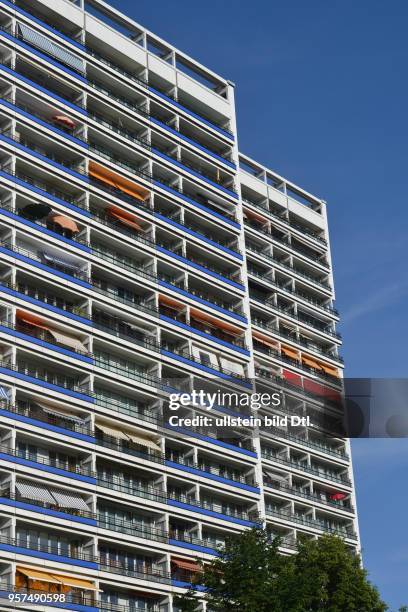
{"type": "Point", "coordinates": [29, 491]}
{"type": "Point", "coordinates": [3, 393]}
{"type": "Point", "coordinates": [112, 431]}
{"type": "Point", "coordinates": [68, 499]}
{"type": "Point", "coordinates": [59, 412]}
{"type": "Point", "coordinates": [39, 41]}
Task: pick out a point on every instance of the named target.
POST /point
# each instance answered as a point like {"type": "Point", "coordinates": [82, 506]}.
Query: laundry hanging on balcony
{"type": "Point", "coordinates": [124, 217]}
{"type": "Point", "coordinates": [63, 222]}
{"type": "Point", "coordinates": [43, 43]}
{"type": "Point", "coordinates": [56, 260]}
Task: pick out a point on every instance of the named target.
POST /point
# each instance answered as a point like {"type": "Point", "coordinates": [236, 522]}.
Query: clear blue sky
{"type": "Point", "coordinates": [322, 97]}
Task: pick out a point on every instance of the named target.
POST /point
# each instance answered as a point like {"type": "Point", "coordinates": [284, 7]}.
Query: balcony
{"type": "Point", "coordinates": [296, 339]}
{"type": "Point", "coordinates": [41, 505]}
{"type": "Point", "coordinates": [314, 497]}
{"type": "Point", "coordinates": [288, 245]}
{"type": "Point", "coordinates": [71, 465]}
{"type": "Point", "coordinates": [305, 467]}
{"type": "Point", "coordinates": [32, 411]}
{"type": "Point", "coordinates": [293, 270]}
{"type": "Point", "coordinates": [301, 228]}
{"type": "Point", "coordinates": [319, 446]}
{"type": "Point", "coordinates": [296, 363]}
{"type": "Point", "coordinates": [300, 519]}
{"type": "Point", "coordinates": [40, 373]}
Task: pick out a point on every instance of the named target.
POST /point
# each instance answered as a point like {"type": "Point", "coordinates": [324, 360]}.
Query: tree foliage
{"type": "Point", "coordinates": [250, 575]}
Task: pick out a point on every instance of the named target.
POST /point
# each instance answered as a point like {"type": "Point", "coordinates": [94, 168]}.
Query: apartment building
{"type": "Point", "coordinates": [141, 254]}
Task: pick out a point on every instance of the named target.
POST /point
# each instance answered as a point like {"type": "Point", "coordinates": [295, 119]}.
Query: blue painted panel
{"type": "Point", "coordinates": [192, 113]}
{"type": "Point", "coordinates": [43, 158]}
{"type": "Point", "coordinates": [204, 334]}
{"type": "Point", "coordinates": [201, 301]}
{"type": "Point", "coordinates": [37, 264]}
{"type": "Point", "coordinates": [224, 517]}
{"type": "Point", "coordinates": [47, 468]}
{"type": "Point", "coordinates": [53, 128]}
{"type": "Point", "coordinates": [43, 89]}
{"type": "Point", "coordinates": [46, 511]}
{"type": "Point", "coordinates": [18, 550]}
{"type": "Point", "coordinates": [67, 432]}
{"type": "Point", "coordinates": [198, 235]}
{"type": "Point", "coordinates": [31, 300]}
{"type": "Point", "coordinates": [197, 472]}
{"type": "Point", "coordinates": [192, 434]}
{"type": "Point", "coordinates": [190, 546]}
{"type": "Point", "coordinates": [46, 385]}
{"type": "Point", "coordinates": [193, 142]}
{"type": "Point", "coordinates": [194, 173]}
{"type": "Point", "coordinates": [48, 345]}
{"type": "Point", "coordinates": [196, 204]}
{"type": "Point", "coordinates": [192, 264]}
{"type": "Point", "coordinates": [44, 230]}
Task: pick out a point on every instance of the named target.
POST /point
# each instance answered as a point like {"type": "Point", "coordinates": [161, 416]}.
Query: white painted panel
{"type": "Point", "coordinates": [71, 12]}
{"type": "Point", "coordinates": [277, 196]}
{"type": "Point", "coordinates": [161, 68]}
{"type": "Point", "coordinates": [205, 95]}
{"type": "Point", "coordinates": [253, 183]}
{"type": "Point", "coordinates": [115, 40]}
{"type": "Point", "coordinates": [307, 213]}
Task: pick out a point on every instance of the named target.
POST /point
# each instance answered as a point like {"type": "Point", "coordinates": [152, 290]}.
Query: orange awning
{"type": "Point", "coordinates": [204, 318]}
{"type": "Point", "coordinates": [330, 370]}
{"type": "Point", "coordinates": [186, 565]}
{"type": "Point", "coordinates": [76, 582]}
{"type": "Point", "coordinates": [253, 215]}
{"type": "Point", "coordinates": [64, 222]}
{"type": "Point", "coordinates": [170, 303]}
{"type": "Point", "coordinates": [33, 574]}
{"type": "Point", "coordinates": [290, 352]}
{"type": "Point", "coordinates": [30, 319]}
{"type": "Point", "coordinates": [264, 339]}
{"type": "Point", "coordinates": [117, 181]}
{"type": "Point", "coordinates": [124, 217]}
{"type": "Point", "coordinates": [311, 362]}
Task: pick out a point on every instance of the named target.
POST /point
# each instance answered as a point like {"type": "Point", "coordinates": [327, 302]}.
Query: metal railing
{"type": "Point", "coordinates": [310, 522]}
{"type": "Point", "coordinates": [298, 492]}
{"type": "Point", "coordinates": [48, 506]}
{"type": "Point", "coordinates": [55, 463]}
{"type": "Point", "coordinates": [304, 467]}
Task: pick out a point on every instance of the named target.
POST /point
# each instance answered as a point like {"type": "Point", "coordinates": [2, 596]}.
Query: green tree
{"type": "Point", "coordinates": [250, 575]}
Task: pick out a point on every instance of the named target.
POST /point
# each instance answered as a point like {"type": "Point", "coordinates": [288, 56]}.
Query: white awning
{"type": "Point", "coordinates": [232, 366]}
{"type": "Point", "coordinates": [60, 412]}
{"type": "Point", "coordinates": [31, 491]}
{"type": "Point", "coordinates": [67, 340]}
{"type": "Point", "coordinates": [3, 393]}
{"type": "Point", "coordinates": [139, 438]}
{"type": "Point", "coordinates": [274, 476]}
{"type": "Point", "coordinates": [112, 431]}
{"type": "Point", "coordinates": [69, 499]}
{"type": "Point", "coordinates": [45, 44]}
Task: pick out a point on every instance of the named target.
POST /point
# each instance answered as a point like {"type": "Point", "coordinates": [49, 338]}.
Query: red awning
{"type": "Point", "coordinates": [64, 120]}
{"type": "Point", "coordinates": [293, 378]}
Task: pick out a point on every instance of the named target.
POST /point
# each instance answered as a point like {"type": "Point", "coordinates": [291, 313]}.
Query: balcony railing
{"type": "Point", "coordinates": [304, 467]}
{"type": "Point", "coordinates": [45, 297]}
{"type": "Point", "coordinates": [50, 598]}
{"type": "Point", "coordinates": [117, 567]}
{"type": "Point", "coordinates": [293, 224]}
{"type": "Point", "coordinates": [298, 492]}
{"type": "Point", "coordinates": [187, 355]}
{"type": "Point", "coordinates": [41, 334]}
{"type": "Point", "coordinates": [73, 467]}
{"type": "Point", "coordinates": [53, 378]}
{"type": "Point", "coordinates": [324, 448]}
{"type": "Point", "coordinates": [280, 332]}
{"type": "Point", "coordinates": [258, 346]}
{"type": "Point", "coordinates": [310, 522]}
{"type": "Point", "coordinates": [287, 244]}
{"type": "Point", "coordinates": [48, 506]}
{"type": "Point", "coordinates": [292, 269]}
{"type": "Point", "coordinates": [28, 409]}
